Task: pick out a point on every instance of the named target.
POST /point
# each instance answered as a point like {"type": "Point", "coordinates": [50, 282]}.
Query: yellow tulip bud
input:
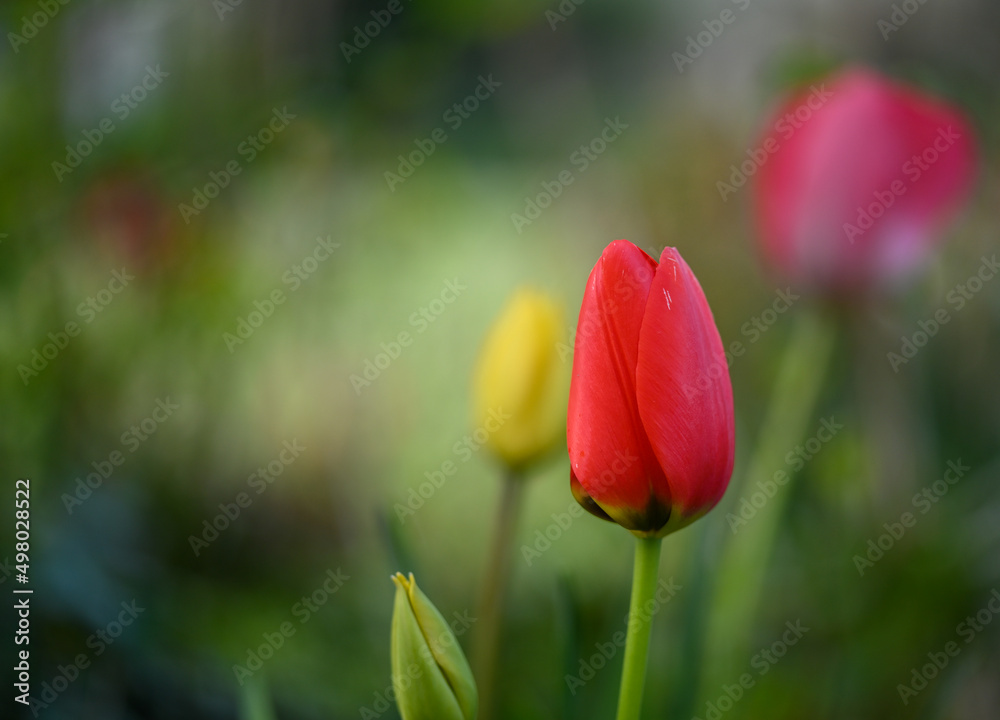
{"type": "Point", "coordinates": [430, 674]}
{"type": "Point", "coordinates": [520, 382]}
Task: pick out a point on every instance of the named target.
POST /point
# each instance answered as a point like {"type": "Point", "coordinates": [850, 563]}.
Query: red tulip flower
{"type": "Point", "coordinates": [650, 427]}
{"type": "Point", "coordinates": [861, 177]}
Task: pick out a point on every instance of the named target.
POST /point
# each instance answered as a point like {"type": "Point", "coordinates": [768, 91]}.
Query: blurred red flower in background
{"type": "Point", "coordinates": [860, 185]}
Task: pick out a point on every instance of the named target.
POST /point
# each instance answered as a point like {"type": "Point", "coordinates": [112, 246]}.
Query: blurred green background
{"type": "Point", "coordinates": [258, 132]}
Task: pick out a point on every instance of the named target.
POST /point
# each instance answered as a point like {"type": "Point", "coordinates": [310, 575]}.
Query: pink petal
{"type": "Point", "coordinates": [836, 159]}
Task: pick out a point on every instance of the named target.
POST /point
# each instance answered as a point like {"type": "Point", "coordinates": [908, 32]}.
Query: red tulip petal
{"type": "Point", "coordinates": [587, 502]}
{"type": "Point", "coordinates": [684, 394]}
{"type": "Point", "coordinates": [609, 453]}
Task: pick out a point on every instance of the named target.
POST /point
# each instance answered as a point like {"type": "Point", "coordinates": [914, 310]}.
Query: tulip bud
{"type": "Point", "coordinates": [430, 675]}
{"type": "Point", "coordinates": [519, 384]}
{"type": "Point", "coordinates": [650, 427]}
{"type": "Point", "coordinates": [858, 178]}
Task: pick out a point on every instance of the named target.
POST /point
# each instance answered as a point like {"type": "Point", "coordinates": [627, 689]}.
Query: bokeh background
{"type": "Point", "coordinates": [218, 76]}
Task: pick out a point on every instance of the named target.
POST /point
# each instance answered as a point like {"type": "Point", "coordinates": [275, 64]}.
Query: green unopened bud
{"type": "Point", "coordinates": [430, 674]}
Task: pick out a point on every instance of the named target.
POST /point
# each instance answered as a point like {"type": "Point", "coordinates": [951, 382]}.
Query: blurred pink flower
{"type": "Point", "coordinates": [862, 177]}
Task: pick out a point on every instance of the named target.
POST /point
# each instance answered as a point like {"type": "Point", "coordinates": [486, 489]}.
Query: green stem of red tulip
{"type": "Point", "coordinates": [493, 591]}
{"type": "Point", "coordinates": [640, 622]}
